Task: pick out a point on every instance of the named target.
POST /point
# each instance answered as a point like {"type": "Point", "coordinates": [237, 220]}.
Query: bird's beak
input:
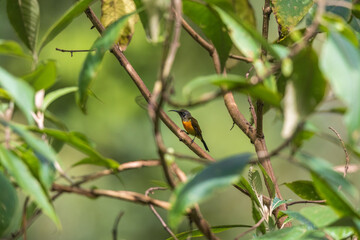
{"type": "Point", "coordinates": [174, 111]}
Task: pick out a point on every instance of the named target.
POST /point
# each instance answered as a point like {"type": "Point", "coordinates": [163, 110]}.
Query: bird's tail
{"type": "Point", "coordinates": [202, 140]}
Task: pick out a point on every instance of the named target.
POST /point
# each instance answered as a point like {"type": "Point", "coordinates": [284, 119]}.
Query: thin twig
{"type": "Point", "coordinates": [305, 202]}
{"type": "Point", "coordinates": [347, 157]}
{"type": "Point", "coordinates": [251, 229]}
{"type": "Point", "coordinates": [241, 58]}
{"type": "Point", "coordinates": [73, 51]}
{"type": "Point", "coordinates": [116, 223]}
{"type": "Point", "coordinates": [151, 190]}
{"type": "Point", "coordinates": [122, 167]}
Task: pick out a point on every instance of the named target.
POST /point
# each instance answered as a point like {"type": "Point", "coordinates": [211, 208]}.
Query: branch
{"type": "Point", "coordinates": [122, 167]}
{"type": "Point", "coordinates": [73, 51]}
{"type": "Point", "coordinates": [252, 228]}
{"type": "Point", "coordinates": [305, 202]}
{"type": "Point", "coordinates": [347, 158]}
{"type": "Point", "coordinates": [151, 190]}
{"type": "Point", "coordinates": [122, 195]}
{"type": "Point", "coordinates": [146, 93]}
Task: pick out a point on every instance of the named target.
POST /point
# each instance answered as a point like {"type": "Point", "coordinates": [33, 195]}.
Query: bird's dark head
{"type": "Point", "coordinates": [184, 114]}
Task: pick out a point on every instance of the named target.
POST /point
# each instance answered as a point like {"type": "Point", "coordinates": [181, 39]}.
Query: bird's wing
{"type": "Point", "coordinates": [196, 127]}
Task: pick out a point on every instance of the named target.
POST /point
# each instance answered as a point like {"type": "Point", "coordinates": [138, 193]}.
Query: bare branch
{"type": "Point", "coordinates": [305, 202]}
{"type": "Point", "coordinates": [347, 157]}
{"type": "Point", "coordinates": [122, 167]}
{"type": "Point", "coordinates": [151, 190]}
{"type": "Point", "coordinates": [73, 51]}
{"type": "Point", "coordinates": [122, 195]}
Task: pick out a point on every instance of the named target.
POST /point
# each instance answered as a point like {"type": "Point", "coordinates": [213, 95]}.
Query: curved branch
{"type": "Point", "coordinates": [123, 195]}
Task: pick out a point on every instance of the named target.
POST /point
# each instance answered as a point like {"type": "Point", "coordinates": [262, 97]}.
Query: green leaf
{"type": "Point", "coordinates": [243, 183]}
{"type": "Point", "coordinates": [40, 148]}
{"type": "Point", "coordinates": [44, 75]}
{"type": "Point", "coordinates": [214, 177]}
{"type": "Point", "coordinates": [153, 18]}
{"type": "Point", "coordinates": [304, 90]}
{"type": "Point", "coordinates": [340, 62]}
{"type": "Point", "coordinates": [77, 9]}
{"type": "Point", "coordinates": [244, 38]}
{"type": "Point", "coordinates": [52, 96]}
{"type": "Point", "coordinates": [245, 11]}
{"type": "Point", "coordinates": [291, 233]}
{"type": "Point", "coordinates": [212, 26]}
{"type": "Point", "coordinates": [289, 13]}
{"type": "Point", "coordinates": [112, 10]}
{"type": "Point", "coordinates": [306, 133]}
{"type": "Point", "coordinates": [214, 229]}
{"type": "Point", "coordinates": [8, 203]}
{"type": "Point", "coordinates": [20, 92]}
{"type": "Point", "coordinates": [342, 226]}
{"type": "Point", "coordinates": [327, 183]}
{"type": "Point", "coordinates": [103, 162]}
{"type": "Point", "coordinates": [27, 182]}
{"type": "Point", "coordinates": [343, 12]}
{"type": "Point", "coordinates": [298, 216]}
{"type": "Point", "coordinates": [324, 217]}
{"type": "Point", "coordinates": [276, 202]}
{"type": "Point", "coordinates": [24, 17]}
{"type": "Point", "coordinates": [94, 58]}
{"type": "Point", "coordinates": [255, 181]}
{"type": "Point", "coordinates": [236, 82]}
{"type": "Point", "coordinates": [81, 143]}
{"type": "Point", "coordinates": [257, 217]}
{"type": "Point", "coordinates": [12, 48]}
{"type": "Point", "coordinates": [268, 181]}
{"type": "Point", "coordinates": [304, 189]}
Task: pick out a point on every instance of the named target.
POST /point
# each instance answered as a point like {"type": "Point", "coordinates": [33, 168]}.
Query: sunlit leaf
{"type": "Point", "coordinates": [112, 10]}
{"type": "Point", "coordinates": [288, 13]}
{"type": "Point", "coordinates": [255, 181]}
{"type": "Point", "coordinates": [77, 9]}
{"type": "Point", "coordinates": [24, 17]}
{"type": "Point", "coordinates": [44, 75]}
{"type": "Point", "coordinates": [20, 91]}
{"type": "Point", "coordinates": [12, 48]}
{"type": "Point", "coordinates": [340, 62]}
{"type": "Point", "coordinates": [304, 189]}
{"type": "Point", "coordinates": [94, 58]}
{"type": "Point", "coordinates": [212, 26]}
{"type": "Point", "coordinates": [27, 182]}
{"type": "Point", "coordinates": [8, 203]}
{"type": "Point", "coordinates": [52, 96]}
{"type": "Point", "coordinates": [214, 177]}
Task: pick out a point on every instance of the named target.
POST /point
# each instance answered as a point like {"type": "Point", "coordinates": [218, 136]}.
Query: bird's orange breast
{"type": "Point", "coordinates": [189, 128]}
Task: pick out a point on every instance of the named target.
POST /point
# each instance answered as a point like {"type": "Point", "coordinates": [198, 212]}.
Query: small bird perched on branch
{"type": "Point", "coordinates": [191, 125]}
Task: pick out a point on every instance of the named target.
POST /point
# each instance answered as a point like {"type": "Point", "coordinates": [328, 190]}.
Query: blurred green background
{"type": "Point", "coordinates": [122, 131]}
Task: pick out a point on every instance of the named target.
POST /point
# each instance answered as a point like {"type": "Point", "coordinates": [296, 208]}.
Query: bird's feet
{"type": "Point", "coordinates": [182, 130]}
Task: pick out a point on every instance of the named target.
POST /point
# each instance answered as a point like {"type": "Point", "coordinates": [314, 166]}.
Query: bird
{"type": "Point", "coordinates": [191, 126]}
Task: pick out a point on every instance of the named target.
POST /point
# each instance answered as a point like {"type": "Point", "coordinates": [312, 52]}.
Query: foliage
{"type": "Point", "coordinates": [296, 77]}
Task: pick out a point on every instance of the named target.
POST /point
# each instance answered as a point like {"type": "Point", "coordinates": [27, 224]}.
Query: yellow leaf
{"type": "Point", "coordinates": [111, 10]}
